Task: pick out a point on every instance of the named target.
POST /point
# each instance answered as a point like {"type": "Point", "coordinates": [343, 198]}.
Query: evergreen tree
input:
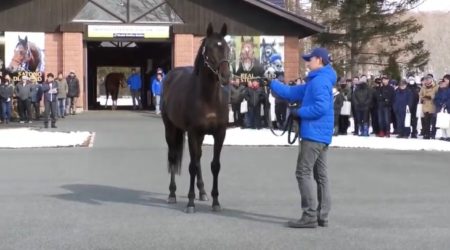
{"type": "Point", "coordinates": [372, 31]}
{"type": "Point", "coordinates": [393, 69]}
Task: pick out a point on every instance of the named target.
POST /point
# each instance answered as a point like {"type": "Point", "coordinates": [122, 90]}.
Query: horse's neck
{"type": "Point", "coordinates": [209, 86]}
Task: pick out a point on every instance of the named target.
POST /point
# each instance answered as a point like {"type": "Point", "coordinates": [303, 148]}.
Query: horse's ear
{"type": "Point", "coordinates": [210, 30]}
{"type": "Point", "coordinates": [273, 44]}
{"type": "Point", "coordinates": [224, 30]}
{"type": "Point", "coordinates": [26, 39]}
{"type": "Point", "coordinates": [263, 43]}
{"type": "Point", "coordinates": [242, 39]}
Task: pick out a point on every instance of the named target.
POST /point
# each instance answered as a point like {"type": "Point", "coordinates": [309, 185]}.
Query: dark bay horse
{"type": "Point", "coordinates": [195, 102]}
{"type": "Point", "coordinates": [113, 83]}
{"type": "Point", "coordinates": [27, 57]}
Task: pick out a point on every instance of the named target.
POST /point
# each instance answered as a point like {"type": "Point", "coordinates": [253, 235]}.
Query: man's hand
{"type": "Point", "coordinates": [294, 112]}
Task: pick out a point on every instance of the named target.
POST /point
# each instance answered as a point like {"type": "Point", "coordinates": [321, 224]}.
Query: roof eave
{"type": "Point", "coordinates": [313, 27]}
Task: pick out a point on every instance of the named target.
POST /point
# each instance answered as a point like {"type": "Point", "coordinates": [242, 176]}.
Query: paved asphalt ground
{"type": "Point", "coordinates": [113, 196]}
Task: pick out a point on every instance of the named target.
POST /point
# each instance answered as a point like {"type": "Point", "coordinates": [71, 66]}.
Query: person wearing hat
{"type": "Point", "coordinates": [384, 98]}
{"type": "Point", "coordinates": [441, 101]}
{"type": "Point", "coordinates": [415, 89]}
{"type": "Point", "coordinates": [316, 116]}
{"type": "Point", "coordinates": [157, 90]}
{"type": "Point", "coordinates": [36, 95]}
{"type": "Point", "coordinates": [426, 97]}
{"type": "Point", "coordinates": [402, 103]}
{"type": "Point", "coordinates": [23, 93]}
{"type": "Point", "coordinates": [254, 96]}
{"type": "Point", "coordinates": [50, 90]}
{"type": "Point", "coordinates": [73, 92]}
{"type": "Point", "coordinates": [6, 96]}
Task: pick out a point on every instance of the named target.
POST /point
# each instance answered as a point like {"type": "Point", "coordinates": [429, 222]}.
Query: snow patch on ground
{"type": "Point", "coordinates": [263, 137]}
{"type": "Point", "coordinates": [32, 138]}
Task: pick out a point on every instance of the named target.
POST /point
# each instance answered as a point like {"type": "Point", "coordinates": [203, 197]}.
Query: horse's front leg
{"type": "Point", "coordinates": [195, 153]}
{"type": "Point", "coordinates": [219, 138]}
{"type": "Point", "coordinates": [200, 184]}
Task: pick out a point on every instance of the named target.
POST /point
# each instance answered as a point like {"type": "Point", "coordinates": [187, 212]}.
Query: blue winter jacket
{"type": "Point", "coordinates": [442, 99]}
{"type": "Point", "coordinates": [316, 112]}
{"type": "Point", "coordinates": [403, 98]}
{"type": "Point", "coordinates": [157, 87]}
{"type": "Point", "coordinates": [134, 82]}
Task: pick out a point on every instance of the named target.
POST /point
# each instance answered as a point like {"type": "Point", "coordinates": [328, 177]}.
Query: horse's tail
{"type": "Point", "coordinates": [175, 155]}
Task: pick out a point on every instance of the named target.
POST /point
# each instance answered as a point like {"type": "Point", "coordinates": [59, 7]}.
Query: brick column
{"type": "Point", "coordinates": [53, 53]}
{"type": "Point", "coordinates": [183, 50]}
{"type": "Point", "coordinates": [73, 60]}
{"type": "Point", "coordinates": [291, 58]}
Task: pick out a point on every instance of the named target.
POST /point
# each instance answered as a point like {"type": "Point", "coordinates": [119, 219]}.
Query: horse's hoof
{"type": "Point", "coordinates": [172, 200]}
{"type": "Point", "coordinates": [203, 197]}
{"type": "Point", "coordinates": [216, 208]}
{"type": "Point", "coordinates": [190, 210]}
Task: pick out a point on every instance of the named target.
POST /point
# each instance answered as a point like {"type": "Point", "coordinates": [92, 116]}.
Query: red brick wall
{"type": "Point", "coordinates": [53, 53]}
{"type": "Point", "coordinates": [291, 58]}
{"type": "Point", "coordinates": [183, 50]}
{"type": "Point", "coordinates": [73, 59]}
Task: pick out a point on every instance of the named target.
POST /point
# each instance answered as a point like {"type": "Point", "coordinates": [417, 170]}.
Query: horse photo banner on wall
{"type": "Point", "coordinates": [252, 56]}
{"type": "Point", "coordinates": [24, 54]}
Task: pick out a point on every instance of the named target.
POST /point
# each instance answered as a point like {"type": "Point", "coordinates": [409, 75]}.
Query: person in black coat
{"type": "Point", "coordinates": [402, 104]}
{"type": "Point", "coordinates": [374, 109]}
{"type": "Point", "coordinates": [415, 89]}
{"type": "Point", "coordinates": [237, 93]}
{"type": "Point", "coordinates": [385, 98]}
{"type": "Point", "coordinates": [50, 90]}
{"type": "Point", "coordinates": [344, 122]}
{"type": "Point", "coordinates": [255, 97]}
{"type": "Point", "coordinates": [362, 98]}
{"type": "Point", "coordinates": [338, 102]}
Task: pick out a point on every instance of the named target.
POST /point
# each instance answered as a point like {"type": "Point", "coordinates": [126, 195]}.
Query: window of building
{"type": "Point", "coordinates": [128, 11]}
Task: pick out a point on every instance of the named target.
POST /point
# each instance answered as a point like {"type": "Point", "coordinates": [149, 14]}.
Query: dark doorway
{"type": "Point", "coordinates": [146, 56]}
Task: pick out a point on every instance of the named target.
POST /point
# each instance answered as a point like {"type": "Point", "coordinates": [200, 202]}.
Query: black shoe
{"type": "Point", "coordinates": [323, 223]}
{"type": "Point", "coordinates": [54, 126]}
{"type": "Point", "coordinates": [304, 222]}
{"type": "Point", "coordinates": [414, 136]}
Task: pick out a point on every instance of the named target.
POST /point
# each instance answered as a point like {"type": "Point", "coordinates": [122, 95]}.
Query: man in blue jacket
{"type": "Point", "coordinates": [156, 90]}
{"type": "Point", "coordinates": [135, 84]}
{"type": "Point", "coordinates": [317, 121]}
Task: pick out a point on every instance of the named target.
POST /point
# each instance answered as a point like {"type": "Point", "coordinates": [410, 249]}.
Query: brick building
{"type": "Point", "coordinates": [82, 35]}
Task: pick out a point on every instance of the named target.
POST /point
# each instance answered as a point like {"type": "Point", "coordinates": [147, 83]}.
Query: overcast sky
{"type": "Point", "coordinates": [430, 5]}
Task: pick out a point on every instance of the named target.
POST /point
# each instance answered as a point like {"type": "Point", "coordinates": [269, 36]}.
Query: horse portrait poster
{"type": "Point", "coordinates": [24, 54]}
{"type": "Point", "coordinates": [252, 56]}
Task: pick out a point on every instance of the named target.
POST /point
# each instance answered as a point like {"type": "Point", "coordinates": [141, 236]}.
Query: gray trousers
{"type": "Point", "coordinates": [312, 162]}
{"type": "Point", "coordinates": [136, 96]}
{"type": "Point", "coordinates": [51, 111]}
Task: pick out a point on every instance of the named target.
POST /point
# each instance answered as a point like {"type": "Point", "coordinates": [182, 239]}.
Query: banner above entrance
{"type": "Point", "coordinates": [128, 31]}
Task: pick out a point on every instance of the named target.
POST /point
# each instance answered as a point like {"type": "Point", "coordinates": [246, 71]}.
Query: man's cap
{"type": "Point", "coordinates": [318, 52]}
{"type": "Point", "coordinates": [428, 77]}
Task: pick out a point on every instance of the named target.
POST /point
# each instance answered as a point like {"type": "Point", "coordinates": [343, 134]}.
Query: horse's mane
{"type": "Point", "coordinates": [199, 61]}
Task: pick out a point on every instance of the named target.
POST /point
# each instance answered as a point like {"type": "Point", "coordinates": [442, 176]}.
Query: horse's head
{"type": "Point", "coordinates": [123, 80]}
{"type": "Point", "coordinates": [21, 55]}
{"type": "Point", "coordinates": [247, 55]}
{"type": "Point", "coordinates": [268, 49]}
{"type": "Point", "coordinates": [216, 54]}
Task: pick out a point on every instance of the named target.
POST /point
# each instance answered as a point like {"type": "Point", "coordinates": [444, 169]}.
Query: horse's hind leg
{"type": "Point", "coordinates": [219, 138]}
{"type": "Point", "coordinates": [200, 184]}
{"type": "Point", "coordinates": [195, 153]}
{"type": "Point", "coordinates": [106, 102]}
{"type": "Point", "coordinates": [175, 142]}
